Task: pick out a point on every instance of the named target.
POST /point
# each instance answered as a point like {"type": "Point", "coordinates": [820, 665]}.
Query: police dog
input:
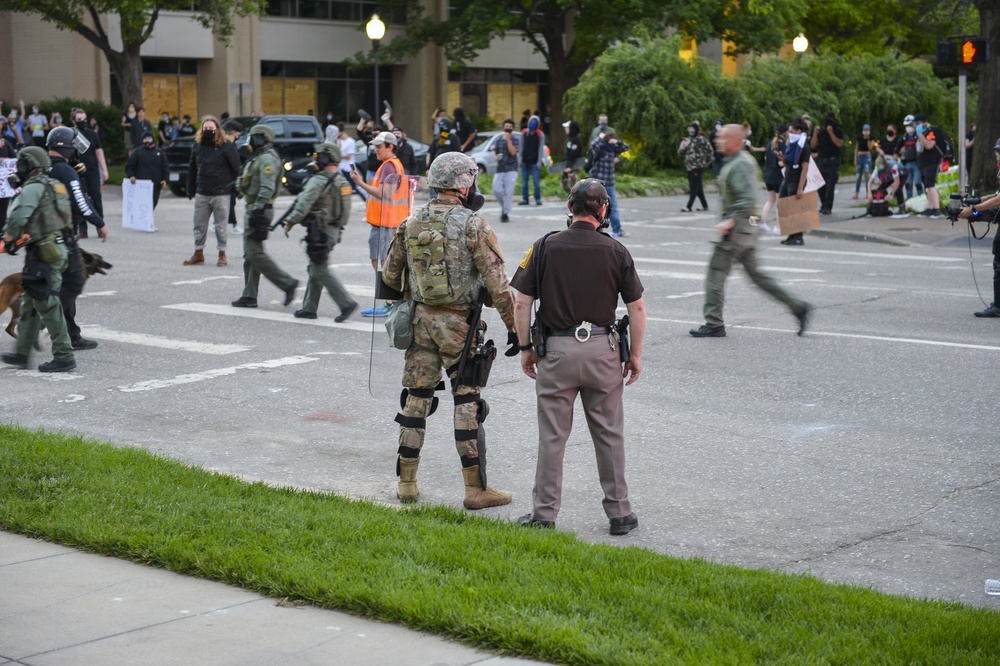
{"type": "Point", "coordinates": [11, 289]}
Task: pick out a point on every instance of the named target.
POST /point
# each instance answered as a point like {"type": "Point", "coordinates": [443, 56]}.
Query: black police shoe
{"type": "Point", "coordinates": [290, 294]}
{"type": "Point", "coordinates": [244, 302]}
{"type": "Point", "coordinates": [803, 318]}
{"type": "Point", "coordinates": [83, 343]}
{"type": "Point", "coordinates": [15, 359]}
{"type": "Point", "coordinates": [304, 314]}
{"type": "Point", "coordinates": [57, 366]}
{"type": "Point", "coordinates": [625, 524]}
{"type": "Point", "coordinates": [346, 313]}
{"type": "Point", "coordinates": [706, 331]}
{"type": "Point", "coordinates": [528, 521]}
{"type": "Point", "coordinates": [992, 311]}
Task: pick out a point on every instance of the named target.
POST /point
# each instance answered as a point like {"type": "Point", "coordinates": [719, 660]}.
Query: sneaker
{"type": "Point", "coordinates": [527, 520]}
{"type": "Point", "coordinates": [855, 197]}
{"type": "Point", "coordinates": [776, 230]}
{"type": "Point", "coordinates": [238, 230]}
{"type": "Point", "coordinates": [244, 302]}
{"type": "Point", "coordinates": [706, 331]}
{"type": "Point", "coordinates": [992, 311]}
{"type": "Point", "coordinates": [764, 228]}
{"type": "Point", "coordinates": [934, 214]}
{"type": "Point", "coordinates": [345, 314]}
{"type": "Point", "coordinates": [83, 343]}
{"type": "Point", "coordinates": [538, 203]}
{"type": "Point", "coordinates": [57, 366]}
{"type": "Point", "coordinates": [504, 218]}
{"type": "Point", "coordinates": [523, 203]}
{"type": "Point", "coordinates": [380, 311]}
{"type": "Point", "coordinates": [793, 241]}
{"type": "Point", "coordinates": [619, 234]}
{"type": "Point", "coordinates": [625, 524]}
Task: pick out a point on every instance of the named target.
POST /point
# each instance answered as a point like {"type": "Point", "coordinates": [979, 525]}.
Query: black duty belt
{"type": "Point", "coordinates": [583, 332]}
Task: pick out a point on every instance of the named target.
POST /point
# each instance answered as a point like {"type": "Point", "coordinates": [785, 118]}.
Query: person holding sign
{"type": "Point", "coordinates": [147, 162]}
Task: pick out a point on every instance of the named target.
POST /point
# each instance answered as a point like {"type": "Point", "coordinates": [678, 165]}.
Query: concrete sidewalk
{"type": "Point", "coordinates": [61, 606]}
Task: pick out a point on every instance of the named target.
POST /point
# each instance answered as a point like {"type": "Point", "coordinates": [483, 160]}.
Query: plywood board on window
{"type": "Point", "coordinates": [454, 97]}
{"type": "Point", "coordinates": [525, 97]}
{"type": "Point", "coordinates": [189, 98]}
{"type": "Point", "coordinates": [272, 95]}
{"type": "Point", "coordinates": [300, 95]}
{"type": "Point", "coordinates": [499, 102]}
{"type": "Point", "coordinates": [160, 93]}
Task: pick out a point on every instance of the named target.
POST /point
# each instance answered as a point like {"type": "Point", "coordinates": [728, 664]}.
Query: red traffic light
{"type": "Point", "coordinates": [974, 52]}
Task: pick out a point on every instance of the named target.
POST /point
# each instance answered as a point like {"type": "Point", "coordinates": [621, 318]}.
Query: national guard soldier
{"type": "Point", "coordinates": [260, 183]}
{"type": "Point", "coordinates": [442, 257]}
{"type": "Point", "coordinates": [42, 213]}
{"type": "Point", "coordinates": [66, 145]}
{"type": "Point", "coordinates": [323, 208]}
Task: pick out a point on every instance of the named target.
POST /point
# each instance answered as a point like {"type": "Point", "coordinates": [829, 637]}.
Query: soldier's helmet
{"type": "Point", "coordinates": [35, 156]}
{"type": "Point", "coordinates": [590, 192]}
{"type": "Point", "coordinates": [328, 149]}
{"type": "Point", "coordinates": [266, 130]}
{"type": "Point", "coordinates": [452, 171]}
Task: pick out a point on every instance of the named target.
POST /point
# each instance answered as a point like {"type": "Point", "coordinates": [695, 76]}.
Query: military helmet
{"type": "Point", "coordinates": [452, 171]}
{"type": "Point", "coordinates": [590, 192]}
{"type": "Point", "coordinates": [266, 130]}
{"type": "Point", "coordinates": [330, 149]}
{"type": "Point", "coordinates": [35, 156]}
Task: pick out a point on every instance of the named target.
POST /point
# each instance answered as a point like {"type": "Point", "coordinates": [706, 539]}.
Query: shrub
{"type": "Point", "coordinates": [108, 115]}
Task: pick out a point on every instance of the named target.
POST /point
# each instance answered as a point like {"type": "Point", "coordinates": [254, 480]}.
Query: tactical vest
{"type": "Point", "coordinates": [333, 207]}
{"type": "Point", "coordinates": [441, 268]}
{"type": "Point", "coordinates": [53, 213]}
{"type": "Point", "coordinates": [254, 172]}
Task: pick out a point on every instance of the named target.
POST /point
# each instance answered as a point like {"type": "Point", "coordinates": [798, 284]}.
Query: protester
{"type": "Point", "coordinates": [773, 177]}
{"type": "Point", "coordinates": [530, 158]}
{"type": "Point", "coordinates": [796, 161]}
{"type": "Point", "coordinates": [465, 129]}
{"type": "Point", "coordinates": [506, 151]}
{"type": "Point", "coordinates": [213, 169]}
{"type": "Point", "coordinates": [697, 157]}
{"type": "Point", "coordinates": [147, 162]}
{"type": "Point", "coordinates": [863, 146]}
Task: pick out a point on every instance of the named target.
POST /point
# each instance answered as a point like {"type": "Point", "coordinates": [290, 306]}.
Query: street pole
{"type": "Point", "coordinates": [959, 141]}
{"type": "Point", "coordinates": [375, 109]}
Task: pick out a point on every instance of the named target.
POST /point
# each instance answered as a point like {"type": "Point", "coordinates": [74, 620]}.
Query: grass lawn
{"type": "Point", "coordinates": [538, 593]}
{"type": "Point", "coordinates": [662, 183]}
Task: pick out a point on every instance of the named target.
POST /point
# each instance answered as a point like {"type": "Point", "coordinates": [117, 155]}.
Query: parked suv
{"type": "Point", "coordinates": [294, 138]}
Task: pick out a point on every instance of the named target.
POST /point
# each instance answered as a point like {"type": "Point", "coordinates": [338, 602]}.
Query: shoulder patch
{"type": "Point", "coordinates": [268, 169]}
{"type": "Point", "coordinates": [527, 257]}
{"type": "Point", "coordinates": [60, 188]}
{"type": "Point", "coordinates": [346, 190]}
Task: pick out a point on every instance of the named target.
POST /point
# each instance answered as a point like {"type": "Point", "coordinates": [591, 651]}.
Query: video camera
{"type": "Point", "coordinates": [960, 201]}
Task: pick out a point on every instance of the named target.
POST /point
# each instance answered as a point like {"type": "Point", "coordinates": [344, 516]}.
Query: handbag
{"type": "Point", "coordinates": [399, 324]}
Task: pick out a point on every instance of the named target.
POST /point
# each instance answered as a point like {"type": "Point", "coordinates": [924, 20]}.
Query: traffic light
{"type": "Point", "coordinates": [974, 51]}
{"type": "Point", "coordinates": [947, 54]}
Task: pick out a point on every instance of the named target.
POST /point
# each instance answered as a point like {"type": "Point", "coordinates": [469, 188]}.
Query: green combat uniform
{"type": "Point", "coordinates": [260, 183]}
{"type": "Point", "coordinates": [441, 257]}
{"type": "Point", "coordinates": [324, 208]}
{"type": "Point", "coordinates": [42, 210]}
{"type": "Point", "coordinates": [739, 183]}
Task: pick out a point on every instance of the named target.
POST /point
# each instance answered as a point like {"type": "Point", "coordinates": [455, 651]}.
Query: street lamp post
{"type": "Point", "coordinates": [375, 29]}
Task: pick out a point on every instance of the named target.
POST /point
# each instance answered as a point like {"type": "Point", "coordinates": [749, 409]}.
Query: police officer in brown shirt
{"type": "Point", "coordinates": [577, 275]}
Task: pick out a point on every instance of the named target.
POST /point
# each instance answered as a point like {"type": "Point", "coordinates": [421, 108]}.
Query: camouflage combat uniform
{"type": "Point", "coordinates": [445, 254]}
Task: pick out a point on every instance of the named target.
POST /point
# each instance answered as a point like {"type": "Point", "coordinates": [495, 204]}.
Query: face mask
{"type": "Point", "coordinates": [691, 132]}
{"type": "Point", "coordinates": [257, 141]}
{"type": "Point", "coordinates": [797, 139]}
{"type": "Point", "coordinates": [718, 128]}
{"type": "Point", "coordinates": [532, 126]}
{"type": "Point", "coordinates": [329, 117]}
{"type": "Point", "coordinates": [890, 133]}
{"type": "Point", "coordinates": [148, 145]}
{"type": "Point", "coordinates": [910, 129]}
{"type": "Point", "coordinates": [208, 136]}
{"type": "Point", "coordinates": [34, 110]}
{"type": "Point", "coordinates": [81, 125]}
{"type": "Point", "coordinates": [749, 132]}
{"type": "Point", "coordinates": [866, 132]}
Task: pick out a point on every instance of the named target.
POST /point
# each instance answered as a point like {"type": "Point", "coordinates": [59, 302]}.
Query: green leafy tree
{"type": "Point", "coordinates": [138, 18]}
{"type": "Point", "coordinates": [572, 34]}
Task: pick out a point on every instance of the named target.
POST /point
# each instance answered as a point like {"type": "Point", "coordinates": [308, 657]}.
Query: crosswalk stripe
{"type": "Point", "coordinates": [148, 340]}
{"type": "Point", "coordinates": [212, 374]}
{"type": "Point", "coordinates": [272, 315]}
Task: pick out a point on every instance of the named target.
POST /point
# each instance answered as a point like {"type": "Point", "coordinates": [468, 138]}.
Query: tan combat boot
{"type": "Point", "coordinates": [197, 258]}
{"type": "Point", "coordinates": [222, 259]}
{"type": "Point", "coordinates": [406, 490]}
{"type": "Point", "coordinates": [475, 496]}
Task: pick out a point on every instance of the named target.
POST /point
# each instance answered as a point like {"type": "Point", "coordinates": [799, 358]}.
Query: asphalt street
{"type": "Point", "coordinates": [864, 452]}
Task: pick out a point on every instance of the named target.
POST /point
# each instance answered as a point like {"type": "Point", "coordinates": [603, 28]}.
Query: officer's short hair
{"type": "Point", "coordinates": [587, 197]}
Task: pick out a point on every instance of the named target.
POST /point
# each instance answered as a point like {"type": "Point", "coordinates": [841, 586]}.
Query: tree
{"type": "Point", "coordinates": [571, 34]}
{"type": "Point", "coordinates": [138, 18]}
{"type": "Point", "coordinates": [983, 173]}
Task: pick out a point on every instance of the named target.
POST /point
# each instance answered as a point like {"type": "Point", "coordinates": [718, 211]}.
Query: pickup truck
{"type": "Point", "coordinates": [294, 138]}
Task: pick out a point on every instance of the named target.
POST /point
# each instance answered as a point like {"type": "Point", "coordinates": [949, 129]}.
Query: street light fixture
{"type": "Point", "coordinates": [375, 29]}
{"type": "Point", "coordinates": [800, 44]}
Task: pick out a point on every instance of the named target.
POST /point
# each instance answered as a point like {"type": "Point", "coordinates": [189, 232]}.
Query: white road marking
{"type": "Point", "coordinates": [363, 325]}
{"type": "Point", "coordinates": [212, 374]}
{"type": "Point", "coordinates": [49, 376]}
{"type": "Point", "coordinates": [209, 279]}
{"type": "Point", "coordinates": [147, 340]}
{"type": "Point", "coordinates": [872, 255]}
{"type": "Point", "coordinates": [97, 293]}
{"type": "Point", "coordinates": [855, 336]}
{"type": "Point", "coordinates": [73, 397]}
{"type": "Point", "coordinates": [687, 262]}
{"type": "Point", "coordinates": [673, 274]}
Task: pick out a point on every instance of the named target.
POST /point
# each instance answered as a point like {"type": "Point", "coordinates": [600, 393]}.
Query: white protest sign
{"type": "Point", "coordinates": [814, 179]}
{"type": "Point", "coordinates": [7, 168]}
{"type": "Point", "coordinates": [137, 205]}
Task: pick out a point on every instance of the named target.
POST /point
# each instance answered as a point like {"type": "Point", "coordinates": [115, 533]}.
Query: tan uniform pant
{"type": "Point", "coordinates": [592, 371]}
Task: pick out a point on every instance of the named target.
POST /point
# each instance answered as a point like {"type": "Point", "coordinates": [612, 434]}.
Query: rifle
{"type": "Point", "coordinates": [281, 220]}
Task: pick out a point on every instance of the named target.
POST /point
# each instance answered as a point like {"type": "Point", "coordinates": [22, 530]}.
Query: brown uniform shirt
{"type": "Point", "coordinates": [582, 273]}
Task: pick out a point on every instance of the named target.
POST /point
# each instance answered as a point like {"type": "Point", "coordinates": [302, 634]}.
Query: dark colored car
{"type": "Point", "coordinates": [294, 138]}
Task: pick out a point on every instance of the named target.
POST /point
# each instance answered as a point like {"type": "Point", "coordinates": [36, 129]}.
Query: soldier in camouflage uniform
{"type": "Point", "coordinates": [441, 257]}
{"type": "Point", "coordinates": [42, 211]}
{"type": "Point", "coordinates": [323, 207]}
{"type": "Point", "coordinates": [260, 183]}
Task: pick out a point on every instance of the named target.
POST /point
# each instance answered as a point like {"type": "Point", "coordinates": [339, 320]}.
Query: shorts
{"type": "Point", "coordinates": [929, 174]}
{"type": "Point", "coordinates": [378, 242]}
{"type": "Point", "coordinates": [773, 188]}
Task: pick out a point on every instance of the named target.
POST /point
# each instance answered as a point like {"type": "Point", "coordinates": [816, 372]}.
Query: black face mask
{"type": "Point", "coordinates": [21, 174]}
{"type": "Point", "coordinates": [148, 145]}
{"type": "Point", "coordinates": [257, 141]}
{"type": "Point", "coordinates": [473, 199]}
{"type": "Point", "coordinates": [81, 125]}
{"type": "Point", "coordinates": [208, 136]}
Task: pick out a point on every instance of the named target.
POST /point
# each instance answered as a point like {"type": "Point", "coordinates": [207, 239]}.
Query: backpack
{"type": "Point", "coordinates": [593, 154]}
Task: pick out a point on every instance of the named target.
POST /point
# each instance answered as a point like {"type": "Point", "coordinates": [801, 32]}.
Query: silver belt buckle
{"type": "Point", "coordinates": [585, 327]}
